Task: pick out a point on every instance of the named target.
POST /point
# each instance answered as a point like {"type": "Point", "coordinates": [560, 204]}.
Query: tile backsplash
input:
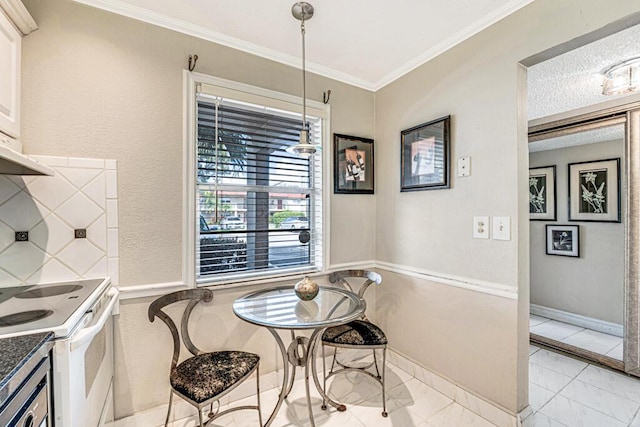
{"type": "Point", "coordinates": [81, 196]}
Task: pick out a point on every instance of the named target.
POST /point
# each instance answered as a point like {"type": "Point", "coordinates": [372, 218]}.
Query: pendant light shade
{"type": "Point", "coordinates": [303, 11]}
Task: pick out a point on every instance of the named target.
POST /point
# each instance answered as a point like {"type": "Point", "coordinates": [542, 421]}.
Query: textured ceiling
{"type": "Point", "coordinates": [367, 43]}
{"type": "Point", "coordinates": [574, 80]}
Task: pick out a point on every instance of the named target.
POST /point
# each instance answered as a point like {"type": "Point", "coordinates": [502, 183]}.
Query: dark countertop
{"type": "Point", "coordinates": [18, 356]}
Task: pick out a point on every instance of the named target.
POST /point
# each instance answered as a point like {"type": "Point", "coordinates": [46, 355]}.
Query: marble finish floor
{"type": "Point", "coordinates": [577, 336]}
{"type": "Point", "coordinates": [409, 403]}
{"type": "Point", "coordinates": [563, 391]}
{"type": "Point", "coordinates": [568, 392]}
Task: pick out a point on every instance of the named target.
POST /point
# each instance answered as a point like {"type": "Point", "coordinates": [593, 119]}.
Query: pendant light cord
{"type": "Point", "coordinates": [304, 80]}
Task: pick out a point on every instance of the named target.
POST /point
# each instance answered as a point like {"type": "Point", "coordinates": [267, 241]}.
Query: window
{"type": "Point", "coordinates": [259, 208]}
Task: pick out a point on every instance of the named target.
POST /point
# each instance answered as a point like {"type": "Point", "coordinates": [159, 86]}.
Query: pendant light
{"type": "Point", "coordinates": [303, 11]}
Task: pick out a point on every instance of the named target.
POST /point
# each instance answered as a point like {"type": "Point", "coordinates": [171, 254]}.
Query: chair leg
{"type": "Point", "coordinates": [258, 394]}
{"type": "Point", "coordinates": [333, 362]}
{"type": "Point", "coordinates": [384, 368]}
{"type": "Point", "coordinates": [324, 381]}
{"type": "Point", "coordinates": [200, 417]}
{"type": "Point", "coordinates": [166, 422]}
{"type": "Point", "coordinates": [375, 362]}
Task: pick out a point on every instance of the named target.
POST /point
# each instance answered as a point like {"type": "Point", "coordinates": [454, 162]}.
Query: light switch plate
{"type": "Point", "coordinates": [501, 228]}
{"type": "Point", "coordinates": [480, 227]}
{"type": "Point", "coordinates": [464, 166]}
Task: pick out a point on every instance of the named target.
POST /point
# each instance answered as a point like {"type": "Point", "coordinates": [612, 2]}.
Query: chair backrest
{"type": "Point", "coordinates": [194, 296]}
{"type": "Point", "coordinates": [369, 276]}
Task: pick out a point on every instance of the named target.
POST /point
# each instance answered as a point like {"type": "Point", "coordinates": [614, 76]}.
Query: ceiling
{"type": "Point", "coordinates": [366, 43]}
{"type": "Point", "coordinates": [574, 80]}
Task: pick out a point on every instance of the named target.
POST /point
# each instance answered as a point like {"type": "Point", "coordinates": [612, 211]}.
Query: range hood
{"type": "Point", "coordinates": [12, 162]}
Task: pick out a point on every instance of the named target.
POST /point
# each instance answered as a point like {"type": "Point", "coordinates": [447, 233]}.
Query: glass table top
{"type": "Point", "coordinates": [281, 308]}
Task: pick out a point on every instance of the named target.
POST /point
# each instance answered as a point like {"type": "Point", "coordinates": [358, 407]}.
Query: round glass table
{"type": "Point", "coordinates": [280, 308]}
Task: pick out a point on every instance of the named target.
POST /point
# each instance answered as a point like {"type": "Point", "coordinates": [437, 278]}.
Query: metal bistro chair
{"type": "Point", "coordinates": [358, 334]}
{"type": "Point", "coordinates": [203, 378]}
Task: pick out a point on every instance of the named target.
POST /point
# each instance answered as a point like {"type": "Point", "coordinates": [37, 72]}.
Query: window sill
{"type": "Point", "coordinates": [259, 279]}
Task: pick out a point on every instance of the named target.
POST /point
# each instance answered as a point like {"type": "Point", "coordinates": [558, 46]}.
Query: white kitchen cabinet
{"type": "Point", "coordinates": [10, 51]}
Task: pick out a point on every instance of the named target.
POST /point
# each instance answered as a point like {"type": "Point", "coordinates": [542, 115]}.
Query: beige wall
{"type": "Point", "coordinates": [479, 83]}
{"type": "Point", "coordinates": [100, 85]}
{"type": "Point", "coordinates": [592, 285]}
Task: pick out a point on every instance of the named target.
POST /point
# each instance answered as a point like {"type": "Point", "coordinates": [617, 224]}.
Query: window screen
{"type": "Point", "coordinates": [259, 207]}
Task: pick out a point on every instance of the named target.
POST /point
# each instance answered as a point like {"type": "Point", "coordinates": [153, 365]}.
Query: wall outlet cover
{"type": "Point", "coordinates": [480, 227]}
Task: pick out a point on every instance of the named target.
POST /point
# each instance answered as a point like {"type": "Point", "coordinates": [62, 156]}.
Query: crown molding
{"type": "Point", "coordinates": [19, 15]}
{"type": "Point", "coordinates": [122, 8]}
{"type": "Point", "coordinates": [462, 35]}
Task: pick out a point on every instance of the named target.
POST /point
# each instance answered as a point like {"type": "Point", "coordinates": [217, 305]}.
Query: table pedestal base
{"type": "Point", "coordinates": [300, 354]}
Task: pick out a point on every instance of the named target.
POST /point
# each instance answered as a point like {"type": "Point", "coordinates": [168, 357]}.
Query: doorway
{"type": "Point", "coordinates": [583, 205]}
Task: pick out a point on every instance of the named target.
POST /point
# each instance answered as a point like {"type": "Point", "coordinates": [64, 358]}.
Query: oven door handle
{"type": "Point", "coordinates": [88, 333]}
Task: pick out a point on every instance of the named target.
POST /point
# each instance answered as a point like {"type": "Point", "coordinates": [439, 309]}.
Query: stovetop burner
{"type": "Point", "coordinates": [48, 291]}
{"type": "Point", "coordinates": [56, 307]}
{"type": "Point", "coordinates": [24, 317]}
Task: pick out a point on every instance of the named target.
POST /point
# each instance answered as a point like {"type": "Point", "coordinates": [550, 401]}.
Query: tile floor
{"type": "Point", "coordinates": [587, 339]}
{"type": "Point", "coordinates": [409, 403]}
{"type": "Point", "coordinates": [562, 392]}
{"type": "Point", "coordinates": [568, 392]}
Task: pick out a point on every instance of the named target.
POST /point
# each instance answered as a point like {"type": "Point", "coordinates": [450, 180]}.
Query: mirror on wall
{"type": "Point", "coordinates": [577, 239]}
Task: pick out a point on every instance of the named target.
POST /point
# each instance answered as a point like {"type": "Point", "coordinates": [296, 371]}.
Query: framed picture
{"type": "Point", "coordinates": [424, 156]}
{"type": "Point", "coordinates": [594, 191]}
{"type": "Point", "coordinates": [542, 193]}
{"type": "Point", "coordinates": [352, 164]}
{"type": "Point", "coordinates": [563, 240]}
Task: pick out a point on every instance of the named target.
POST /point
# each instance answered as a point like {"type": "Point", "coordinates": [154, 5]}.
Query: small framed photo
{"type": "Point", "coordinates": [352, 165]}
{"type": "Point", "coordinates": [563, 240]}
{"type": "Point", "coordinates": [424, 154]}
{"type": "Point", "coordinates": [542, 193]}
{"type": "Point", "coordinates": [594, 191]}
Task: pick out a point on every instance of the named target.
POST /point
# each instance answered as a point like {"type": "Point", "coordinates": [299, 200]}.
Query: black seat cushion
{"type": "Point", "coordinates": [204, 376]}
{"type": "Point", "coordinates": [358, 332]}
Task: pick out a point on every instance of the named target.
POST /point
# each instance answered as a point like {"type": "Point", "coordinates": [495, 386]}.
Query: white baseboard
{"type": "Point", "coordinates": [476, 404]}
{"type": "Point", "coordinates": [598, 325]}
{"type": "Point", "coordinates": [524, 414]}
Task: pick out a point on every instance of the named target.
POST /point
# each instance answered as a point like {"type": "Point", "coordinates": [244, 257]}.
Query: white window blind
{"type": "Point", "coordinates": [259, 207]}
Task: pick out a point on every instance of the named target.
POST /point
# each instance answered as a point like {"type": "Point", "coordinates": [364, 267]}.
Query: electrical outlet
{"type": "Point", "coordinates": [501, 228]}
{"type": "Point", "coordinates": [480, 227]}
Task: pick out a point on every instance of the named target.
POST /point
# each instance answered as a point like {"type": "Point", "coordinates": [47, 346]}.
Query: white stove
{"type": "Point", "coordinates": [79, 314]}
{"type": "Point", "coordinates": [55, 307]}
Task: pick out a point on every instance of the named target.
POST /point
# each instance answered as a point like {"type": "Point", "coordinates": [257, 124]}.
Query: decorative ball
{"type": "Point", "coordinates": [306, 289]}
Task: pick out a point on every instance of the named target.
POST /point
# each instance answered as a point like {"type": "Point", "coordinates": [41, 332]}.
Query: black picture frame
{"type": "Point", "coordinates": [425, 156]}
{"type": "Point", "coordinates": [563, 240]}
{"type": "Point", "coordinates": [594, 191]}
{"type": "Point", "coordinates": [542, 193]}
{"type": "Point", "coordinates": [353, 165]}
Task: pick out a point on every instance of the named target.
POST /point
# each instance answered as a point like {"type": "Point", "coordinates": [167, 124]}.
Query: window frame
{"type": "Point", "coordinates": [256, 95]}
